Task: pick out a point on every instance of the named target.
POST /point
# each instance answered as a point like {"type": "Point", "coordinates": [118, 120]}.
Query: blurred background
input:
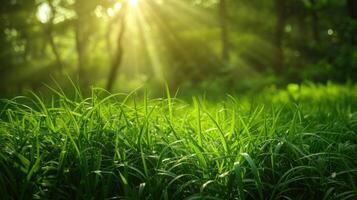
{"type": "Point", "coordinates": [217, 46]}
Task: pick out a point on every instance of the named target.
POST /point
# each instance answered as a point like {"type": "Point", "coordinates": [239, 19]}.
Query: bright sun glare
{"type": "Point", "coordinates": [133, 2]}
{"type": "Point", "coordinates": [44, 13]}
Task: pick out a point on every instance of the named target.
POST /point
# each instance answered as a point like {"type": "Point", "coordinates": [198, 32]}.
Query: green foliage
{"type": "Point", "coordinates": [295, 143]}
{"type": "Point", "coordinates": [179, 41]}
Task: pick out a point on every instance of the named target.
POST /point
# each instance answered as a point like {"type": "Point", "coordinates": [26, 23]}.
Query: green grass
{"type": "Point", "coordinates": [298, 143]}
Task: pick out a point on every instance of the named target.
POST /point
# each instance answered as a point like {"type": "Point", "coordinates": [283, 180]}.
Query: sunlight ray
{"type": "Point", "coordinates": [151, 47]}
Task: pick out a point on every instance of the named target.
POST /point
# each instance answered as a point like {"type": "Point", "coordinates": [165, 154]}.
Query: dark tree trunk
{"type": "Point", "coordinates": [83, 10]}
{"type": "Point", "coordinates": [281, 12]}
{"type": "Point", "coordinates": [352, 8]}
{"type": "Point", "coordinates": [81, 46]}
{"type": "Point", "coordinates": [51, 37]}
{"type": "Point", "coordinates": [117, 57]}
{"type": "Point", "coordinates": [55, 51]}
{"type": "Point", "coordinates": [224, 30]}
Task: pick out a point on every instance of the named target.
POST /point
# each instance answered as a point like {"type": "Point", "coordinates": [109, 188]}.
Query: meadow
{"type": "Point", "coordinates": [298, 142]}
{"type": "Point", "coordinates": [178, 99]}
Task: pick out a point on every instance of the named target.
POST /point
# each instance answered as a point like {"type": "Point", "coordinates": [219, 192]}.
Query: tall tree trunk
{"type": "Point", "coordinates": [83, 10]}
{"type": "Point", "coordinates": [55, 52]}
{"type": "Point", "coordinates": [280, 6]}
{"type": "Point", "coordinates": [117, 57]}
{"type": "Point", "coordinates": [81, 46]}
{"type": "Point", "coordinates": [352, 8]}
{"type": "Point", "coordinates": [51, 37]}
{"type": "Point", "coordinates": [224, 30]}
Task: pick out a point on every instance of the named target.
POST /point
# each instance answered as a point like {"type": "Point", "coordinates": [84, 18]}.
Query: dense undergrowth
{"type": "Point", "coordinates": [298, 143]}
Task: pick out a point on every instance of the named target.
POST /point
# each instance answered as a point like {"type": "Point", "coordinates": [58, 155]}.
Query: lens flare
{"type": "Point", "coordinates": [133, 2]}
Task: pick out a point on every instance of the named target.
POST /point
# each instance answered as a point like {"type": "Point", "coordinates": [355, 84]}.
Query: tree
{"type": "Point", "coordinates": [49, 31]}
{"type": "Point", "coordinates": [117, 57]}
{"type": "Point", "coordinates": [83, 9]}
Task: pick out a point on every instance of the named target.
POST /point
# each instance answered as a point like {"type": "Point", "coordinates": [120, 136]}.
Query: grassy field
{"type": "Point", "coordinates": [293, 143]}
